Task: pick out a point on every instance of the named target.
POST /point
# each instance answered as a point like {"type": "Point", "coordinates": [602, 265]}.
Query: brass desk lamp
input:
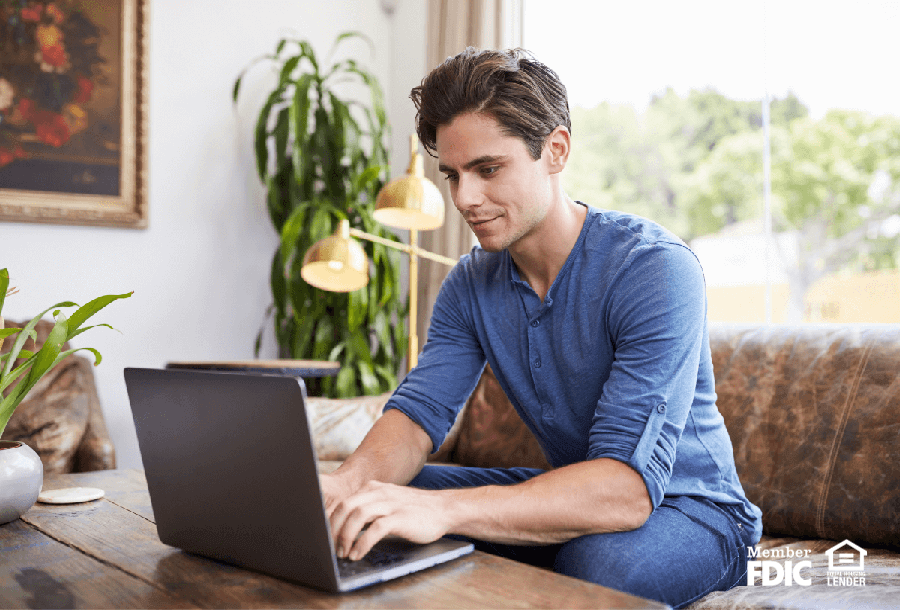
{"type": "Point", "coordinates": [339, 264]}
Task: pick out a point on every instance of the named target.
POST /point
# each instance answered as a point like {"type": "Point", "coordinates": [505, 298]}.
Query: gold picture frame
{"type": "Point", "coordinates": [73, 112]}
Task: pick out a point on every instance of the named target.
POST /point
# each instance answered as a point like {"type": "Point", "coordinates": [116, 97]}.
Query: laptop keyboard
{"type": "Point", "coordinates": [377, 558]}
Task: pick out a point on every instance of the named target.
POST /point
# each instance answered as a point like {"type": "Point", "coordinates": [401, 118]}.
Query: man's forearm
{"type": "Point", "coordinates": [393, 451]}
{"type": "Point", "coordinates": [586, 498]}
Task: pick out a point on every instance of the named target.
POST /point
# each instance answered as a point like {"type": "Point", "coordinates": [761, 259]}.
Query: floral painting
{"type": "Point", "coordinates": [64, 120]}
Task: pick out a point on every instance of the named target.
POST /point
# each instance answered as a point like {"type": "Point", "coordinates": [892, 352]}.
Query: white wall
{"type": "Point", "coordinates": [200, 271]}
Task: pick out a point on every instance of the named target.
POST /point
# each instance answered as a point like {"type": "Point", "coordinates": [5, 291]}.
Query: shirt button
{"type": "Point", "coordinates": [536, 323]}
{"type": "Point", "coordinates": [661, 409]}
{"type": "Point", "coordinates": [537, 364]}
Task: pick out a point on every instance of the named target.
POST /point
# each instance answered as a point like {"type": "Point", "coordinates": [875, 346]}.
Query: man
{"type": "Point", "coordinates": [594, 323]}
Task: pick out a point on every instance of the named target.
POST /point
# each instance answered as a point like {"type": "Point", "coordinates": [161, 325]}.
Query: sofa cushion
{"type": "Point", "coordinates": [813, 413]}
{"type": "Point", "coordinates": [339, 425]}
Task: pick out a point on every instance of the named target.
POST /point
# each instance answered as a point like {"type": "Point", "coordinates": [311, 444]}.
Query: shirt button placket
{"type": "Point", "coordinates": [537, 361]}
{"type": "Point", "coordinates": [537, 341]}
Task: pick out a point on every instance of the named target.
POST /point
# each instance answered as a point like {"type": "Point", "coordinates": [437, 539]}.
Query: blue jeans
{"type": "Point", "coordinates": [687, 548]}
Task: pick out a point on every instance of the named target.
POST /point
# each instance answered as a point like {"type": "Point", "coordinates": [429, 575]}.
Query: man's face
{"type": "Point", "coordinates": [502, 193]}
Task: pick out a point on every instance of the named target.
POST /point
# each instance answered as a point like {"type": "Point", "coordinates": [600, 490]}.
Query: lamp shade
{"type": "Point", "coordinates": [336, 263]}
{"type": "Point", "coordinates": [411, 202]}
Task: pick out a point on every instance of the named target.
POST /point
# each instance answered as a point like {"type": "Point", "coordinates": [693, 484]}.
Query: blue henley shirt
{"type": "Point", "coordinates": [614, 363]}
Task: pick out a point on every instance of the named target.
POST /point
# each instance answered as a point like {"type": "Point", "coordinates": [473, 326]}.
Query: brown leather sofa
{"type": "Point", "coordinates": [814, 416]}
{"type": "Point", "coordinates": [61, 418]}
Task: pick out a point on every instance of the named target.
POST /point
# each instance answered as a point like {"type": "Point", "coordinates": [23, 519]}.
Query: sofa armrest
{"type": "Point", "coordinates": [96, 451]}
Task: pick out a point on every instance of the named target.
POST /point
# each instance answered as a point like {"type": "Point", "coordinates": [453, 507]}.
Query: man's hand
{"type": "Point", "coordinates": [335, 489]}
{"type": "Point", "coordinates": [381, 510]}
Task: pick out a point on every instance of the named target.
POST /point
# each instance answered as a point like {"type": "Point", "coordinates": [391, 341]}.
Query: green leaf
{"type": "Point", "coordinates": [281, 133]}
{"type": "Point", "coordinates": [366, 177]}
{"type": "Point", "coordinates": [321, 225]}
{"type": "Point", "coordinates": [49, 350]}
{"type": "Point", "coordinates": [360, 345]}
{"type": "Point", "coordinates": [85, 328]}
{"type": "Point", "coordinates": [298, 124]}
{"type": "Point", "coordinates": [8, 332]}
{"type": "Point", "coordinates": [304, 337]}
{"type": "Point", "coordinates": [309, 53]}
{"type": "Point", "coordinates": [262, 133]}
{"type": "Point", "coordinates": [238, 81]}
{"type": "Point", "coordinates": [257, 345]}
{"type": "Point", "coordinates": [237, 86]}
{"type": "Point", "coordinates": [387, 375]}
{"type": "Point", "coordinates": [63, 355]}
{"type": "Point", "coordinates": [4, 286]}
{"type": "Point", "coordinates": [368, 378]}
{"type": "Point", "coordinates": [277, 281]}
{"type": "Point", "coordinates": [28, 331]}
{"type": "Point", "coordinates": [288, 68]}
{"type": "Point", "coordinates": [382, 327]}
{"type": "Point", "coordinates": [357, 310]}
{"type": "Point", "coordinates": [82, 314]}
{"type": "Point", "coordinates": [346, 381]}
{"type": "Point", "coordinates": [22, 354]}
{"type": "Point", "coordinates": [324, 338]}
{"type": "Point", "coordinates": [17, 372]}
{"type": "Point", "coordinates": [347, 35]}
{"type": "Point", "coordinates": [337, 351]}
{"type": "Point", "coordinates": [291, 231]}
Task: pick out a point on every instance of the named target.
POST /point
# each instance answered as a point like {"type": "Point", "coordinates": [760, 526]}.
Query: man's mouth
{"type": "Point", "coordinates": [481, 221]}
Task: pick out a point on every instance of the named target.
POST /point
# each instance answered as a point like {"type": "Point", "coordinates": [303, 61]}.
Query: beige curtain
{"type": "Point", "coordinates": [454, 25]}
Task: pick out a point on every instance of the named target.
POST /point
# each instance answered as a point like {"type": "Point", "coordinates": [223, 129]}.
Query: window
{"type": "Point", "coordinates": [765, 134]}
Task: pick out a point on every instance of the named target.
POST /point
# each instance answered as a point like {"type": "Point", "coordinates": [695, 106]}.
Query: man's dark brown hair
{"type": "Point", "coordinates": [522, 94]}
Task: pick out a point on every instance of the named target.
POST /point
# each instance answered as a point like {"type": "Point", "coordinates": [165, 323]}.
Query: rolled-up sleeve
{"type": "Point", "coordinates": [450, 365]}
{"type": "Point", "coordinates": [656, 322]}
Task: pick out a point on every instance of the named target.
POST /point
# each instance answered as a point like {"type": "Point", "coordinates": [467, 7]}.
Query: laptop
{"type": "Point", "coordinates": [231, 469]}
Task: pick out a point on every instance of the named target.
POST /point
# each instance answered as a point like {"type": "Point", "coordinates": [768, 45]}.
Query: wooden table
{"type": "Point", "coordinates": [106, 554]}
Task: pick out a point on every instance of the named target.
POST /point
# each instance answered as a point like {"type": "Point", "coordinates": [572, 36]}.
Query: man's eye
{"type": "Point", "coordinates": [451, 177]}
{"type": "Point", "coordinates": [487, 171]}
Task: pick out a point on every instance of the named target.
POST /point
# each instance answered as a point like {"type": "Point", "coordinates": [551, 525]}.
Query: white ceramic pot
{"type": "Point", "coordinates": [21, 479]}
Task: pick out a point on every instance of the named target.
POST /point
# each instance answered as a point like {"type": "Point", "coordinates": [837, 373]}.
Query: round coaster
{"type": "Point", "coordinates": [70, 495]}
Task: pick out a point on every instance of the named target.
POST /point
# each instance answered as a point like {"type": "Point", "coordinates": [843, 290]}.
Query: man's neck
{"type": "Point", "coordinates": [541, 255]}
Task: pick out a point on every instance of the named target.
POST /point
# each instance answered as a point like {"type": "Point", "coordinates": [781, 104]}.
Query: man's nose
{"type": "Point", "coordinates": [467, 194]}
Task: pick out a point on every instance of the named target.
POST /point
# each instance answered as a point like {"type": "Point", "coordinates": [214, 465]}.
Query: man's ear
{"type": "Point", "coordinates": [557, 148]}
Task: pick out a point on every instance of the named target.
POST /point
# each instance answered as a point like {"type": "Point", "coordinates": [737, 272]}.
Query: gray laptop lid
{"type": "Point", "coordinates": [231, 470]}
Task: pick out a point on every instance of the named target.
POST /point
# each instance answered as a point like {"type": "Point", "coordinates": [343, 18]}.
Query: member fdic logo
{"type": "Point", "coordinates": [845, 566]}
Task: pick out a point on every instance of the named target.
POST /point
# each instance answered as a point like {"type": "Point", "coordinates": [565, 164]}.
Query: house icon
{"type": "Point", "coordinates": [849, 561]}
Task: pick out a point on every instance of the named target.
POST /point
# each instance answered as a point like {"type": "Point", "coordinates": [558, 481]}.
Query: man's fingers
{"type": "Point", "coordinates": [355, 521]}
{"type": "Point", "coordinates": [379, 511]}
{"type": "Point", "coordinates": [337, 516]}
{"type": "Point", "coordinates": [331, 505]}
{"type": "Point", "coordinates": [370, 537]}
{"type": "Point", "coordinates": [351, 518]}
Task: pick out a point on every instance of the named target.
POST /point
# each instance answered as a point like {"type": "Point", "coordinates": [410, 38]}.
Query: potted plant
{"type": "Point", "coordinates": [321, 159]}
{"type": "Point", "coordinates": [21, 471]}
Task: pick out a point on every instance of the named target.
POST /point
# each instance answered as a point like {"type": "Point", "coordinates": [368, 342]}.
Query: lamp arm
{"type": "Point", "coordinates": [403, 247]}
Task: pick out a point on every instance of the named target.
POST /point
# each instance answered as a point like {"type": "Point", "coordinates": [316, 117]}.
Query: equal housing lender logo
{"type": "Point", "coordinates": [846, 562]}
